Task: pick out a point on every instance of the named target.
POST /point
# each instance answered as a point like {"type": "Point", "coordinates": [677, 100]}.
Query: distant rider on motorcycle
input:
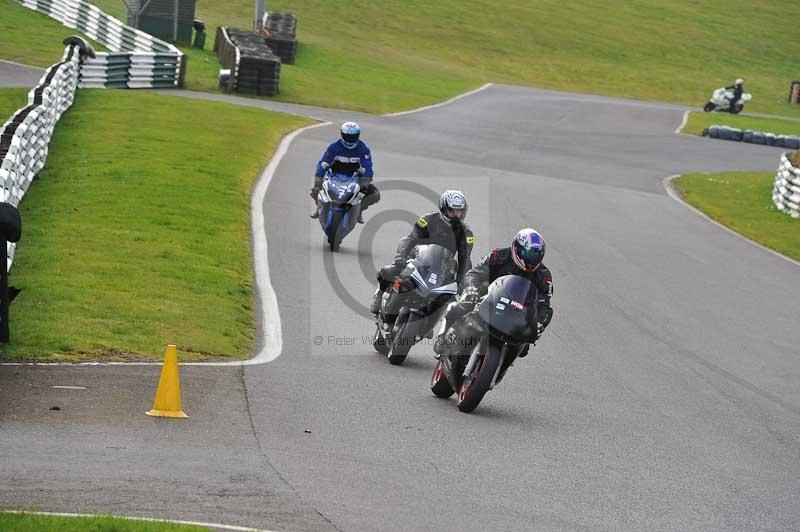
{"type": "Point", "coordinates": [738, 89]}
{"type": "Point", "coordinates": [446, 228]}
{"type": "Point", "coordinates": [523, 258]}
{"type": "Point", "coordinates": [347, 155]}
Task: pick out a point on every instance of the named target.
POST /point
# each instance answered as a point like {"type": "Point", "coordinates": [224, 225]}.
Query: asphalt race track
{"type": "Point", "coordinates": [664, 396]}
{"type": "Point", "coordinates": [16, 75]}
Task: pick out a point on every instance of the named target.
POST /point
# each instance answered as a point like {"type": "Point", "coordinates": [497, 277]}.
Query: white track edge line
{"type": "Point", "coordinates": [441, 104]}
{"type": "Point", "coordinates": [148, 519]}
{"type": "Point", "coordinates": [674, 194]}
{"type": "Point", "coordinates": [270, 313]}
{"type": "Point", "coordinates": [683, 122]}
{"type": "Point", "coordinates": [20, 64]}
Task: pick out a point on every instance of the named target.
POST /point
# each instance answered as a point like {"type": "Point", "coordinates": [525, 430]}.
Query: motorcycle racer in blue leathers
{"type": "Point", "coordinates": [348, 155]}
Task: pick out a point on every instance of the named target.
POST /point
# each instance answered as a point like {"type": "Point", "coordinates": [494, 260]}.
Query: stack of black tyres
{"type": "Point", "coordinates": [282, 40]}
{"type": "Point", "coordinates": [259, 70]}
{"type": "Point", "coordinates": [791, 142]}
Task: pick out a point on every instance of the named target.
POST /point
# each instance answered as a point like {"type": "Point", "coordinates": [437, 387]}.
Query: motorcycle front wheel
{"type": "Point", "coordinates": [407, 330]}
{"type": "Point", "coordinates": [335, 240]}
{"type": "Point", "coordinates": [709, 107]}
{"type": "Point", "coordinates": [439, 383]}
{"type": "Point", "coordinates": [379, 344]}
{"type": "Point", "coordinates": [477, 383]}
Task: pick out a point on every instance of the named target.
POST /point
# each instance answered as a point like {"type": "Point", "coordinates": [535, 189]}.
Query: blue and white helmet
{"type": "Point", "coordinates": [452, 200]}
{"type": "Point", "coordinates": [528, 249]}
{"type": "Point", "coordinates": [350, 134]}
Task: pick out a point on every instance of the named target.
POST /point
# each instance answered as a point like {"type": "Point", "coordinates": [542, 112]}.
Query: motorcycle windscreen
{"type": "Point", "coordinates": [435, 264]}
{"type": "Point", "coordinates": [510, 307]}
{"type": "Point", "coordinates": [342, 187]}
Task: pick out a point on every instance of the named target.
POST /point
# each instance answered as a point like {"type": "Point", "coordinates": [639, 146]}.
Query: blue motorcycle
{"type": "Point", "coordinates": [339, 206]}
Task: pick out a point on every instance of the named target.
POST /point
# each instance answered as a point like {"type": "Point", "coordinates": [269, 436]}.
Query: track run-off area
{"type": "Point", "coordinates": [665, 395]}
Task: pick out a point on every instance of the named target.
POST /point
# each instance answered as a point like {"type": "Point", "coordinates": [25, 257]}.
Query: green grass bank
{"type": "Point", "coordinates": [390, 56]}
{"type": "Point", "coordinates": [29, 522]}
{"type": "Point", "coordinates": [697, 122]}
{"type": "Point", "coordinates": [742, 201]}
{"type": "Point", "coordinates": [136, 234]}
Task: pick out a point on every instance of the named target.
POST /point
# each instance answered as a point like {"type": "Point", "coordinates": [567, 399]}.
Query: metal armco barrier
{"type": "Point", "coordinates": [786, 194]}
{"type": "Point", "coordinates": [136, 59]}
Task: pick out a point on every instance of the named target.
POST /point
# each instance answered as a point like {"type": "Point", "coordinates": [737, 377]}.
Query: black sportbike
{"type": "Point", "coordinates": [416, 300]}
{"type": "Point", "coordinates": [481, 346]}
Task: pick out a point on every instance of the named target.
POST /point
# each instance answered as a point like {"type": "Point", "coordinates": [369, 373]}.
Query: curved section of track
{"type": "Point", "coordinates": [664, 396]}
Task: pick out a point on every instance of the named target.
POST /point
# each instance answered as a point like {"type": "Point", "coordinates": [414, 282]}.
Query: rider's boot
{"type": "Point", "coordinates": [441, 340]}
{"type": "Point", "coordinates": [375, 308]}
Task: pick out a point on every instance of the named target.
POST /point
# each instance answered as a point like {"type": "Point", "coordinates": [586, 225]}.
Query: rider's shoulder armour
{"type": "Point", "coordinates": [500, 255]}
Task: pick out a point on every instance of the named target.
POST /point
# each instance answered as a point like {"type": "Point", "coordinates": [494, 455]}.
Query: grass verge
{"type": "Point", "coordinates": [390, 56]}
{"type": "Point", "coordinates": [28, 522]}
{"type": "Point", "coordinates": [699, 121]}
{"type": "Point", "coordinates": [136, 234]}
{"type": "Point", "coordinates": [742, 201]}
{"type": "Point", "coordinates": [31, 38]}
{"type": "Point", "coordinates": [10, 101]}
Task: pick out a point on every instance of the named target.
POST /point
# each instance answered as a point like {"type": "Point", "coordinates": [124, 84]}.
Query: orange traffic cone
{"type": "Point", "coordinates": [168, 395]}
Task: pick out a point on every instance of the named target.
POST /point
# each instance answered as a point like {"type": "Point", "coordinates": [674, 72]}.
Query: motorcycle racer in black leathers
{"type": "Point", "coordinates": [446, 227]}
{"type": "Point", "coordinates": [522, 258]}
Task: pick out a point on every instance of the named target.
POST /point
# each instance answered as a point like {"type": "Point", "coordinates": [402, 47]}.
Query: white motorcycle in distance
{"type": "Point", "coordinates": [721, 101]}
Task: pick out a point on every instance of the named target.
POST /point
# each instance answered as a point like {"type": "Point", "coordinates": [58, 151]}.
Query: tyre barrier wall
{"type": "Point", "coordinates": [254, 68]}
{"type": "Point", "coordinates": [25, 137]}
{"type": "Point", "coordinates": [786, 194]}
{"type": "Point", "coordinates": [229, 57]}
{"type": "Point", "coordinates": [791, 142]}
{"type": "Point", "coordinates": [136, 59]}
{"type": "Point", "coordinates": [282, 40]}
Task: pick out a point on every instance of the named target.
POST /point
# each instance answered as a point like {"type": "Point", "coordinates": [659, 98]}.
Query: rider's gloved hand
{"type": "Point", "coordinates": [314, 192]}
{"type": "Point", "coordinates": [399, 263]}
{"type": "Point", "coordinates": [470, 295]}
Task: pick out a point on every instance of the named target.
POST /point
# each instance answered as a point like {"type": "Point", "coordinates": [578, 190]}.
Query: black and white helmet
{"type": "Point", "coordinates": [452, 206]}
